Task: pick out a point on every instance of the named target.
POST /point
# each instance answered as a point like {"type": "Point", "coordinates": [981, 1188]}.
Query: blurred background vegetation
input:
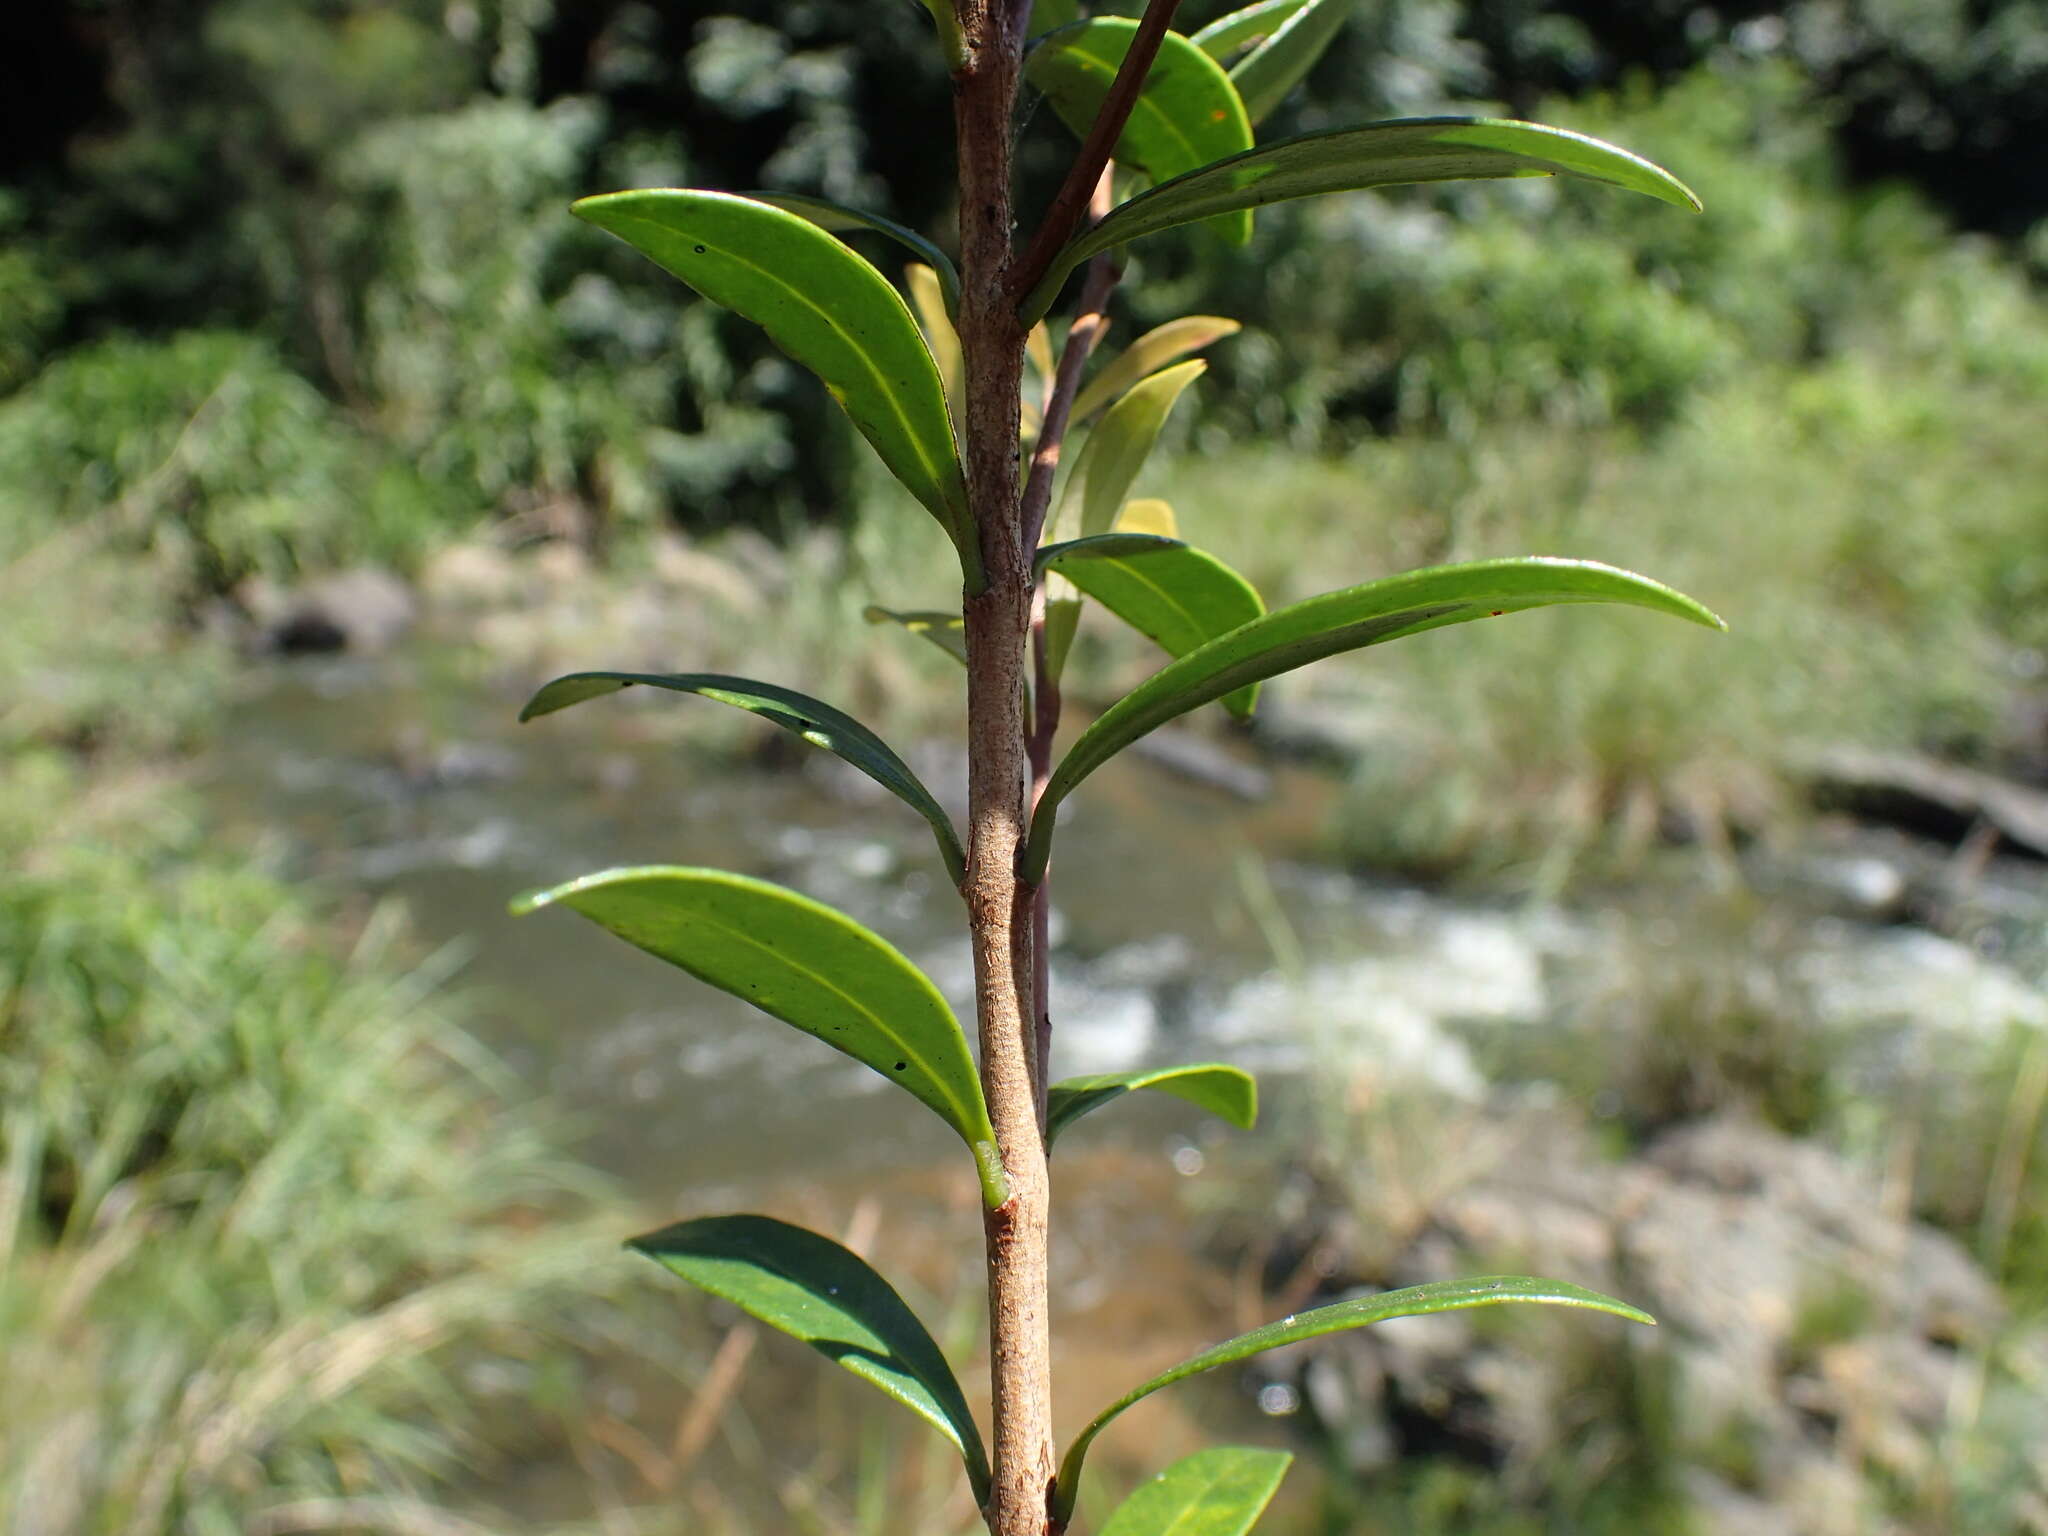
{"type": "Point", "coordinates": [287, 287]}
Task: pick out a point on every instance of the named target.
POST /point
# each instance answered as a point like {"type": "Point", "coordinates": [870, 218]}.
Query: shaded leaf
{"type": "Point", "coordinates": [1361, 1312]}
{"type": "Point", "coordinates": [1187, 116]}
{"type": "Point", "coordinates": [948, 631]}
{"type": "Point", "coordinates": [1227, 1092]}
{"type": "Point", "coordinates": [809, 1287]}
{"type": "Point", "coordinates": [1178, 597]}
{"type": "Point", "coordinates": [1241, 29]}
{"type": "Point", "coordinates": [1149, 353]}
{"type": "Point", "coordinates": [1220, 1492]}
{"type": "Point", "coordinates": [806, 964]}
{"type": "Point", "coordinates": [827, 308]}
{"type": "Point", "coordinates": [815, 721]}
{"type": "Point", "coordinates": [1046, 15]}
{"type": "Point", "coordinates": [1345, 620]}
{"type": "Point", "coordinates": [1264, 76]}
{"type": "Point", "coordinates": [1348, 159]}
{"type": "Point", "coordinates": [838, 218]}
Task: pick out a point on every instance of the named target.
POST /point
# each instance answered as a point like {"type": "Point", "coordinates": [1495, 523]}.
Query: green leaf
{"type": "Point", "coordinates": [812, 1289]}
{"type": "Point", "coordinates": [948, 631]}
{"type": "Point", "coordinates": [838, 218]}
{"type": "Point", "coordinates": [1187, 116]}
{"type": "Point", "coordinates": [1148, 514]}
{"type": "Point", "coordinates": [811, 719]}
{"type": "Point", "coordinates": [1346, 620]}
{"type": "Point", "coordinates": [1348, 159]}
{"type": "Point", "coordinates": [1220, 1492]}
{"type": "Point", "coordinates": [1149, 353]}
{"type": "Point", "coordinates": [927, 297]}
{"type": "Point", "coordinates": [806, 964]}
{"type": "Point", "coordinates": [1264, 76]}
{"type": "Point", "coordinates": [1240, 29]}
{"type": "Point", "coordinates": [1046, 15]}
{"type": "Point", "coordinates": [1361, 1312]}
{"type": "Point", "coordinates": [1227, 1092]}
{"type": "Point", "coordinates": [1179, 597]}
{"type": "Point", "coordinates": [827, 308]}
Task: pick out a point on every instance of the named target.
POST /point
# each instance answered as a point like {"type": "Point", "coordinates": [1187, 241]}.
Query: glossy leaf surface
{"type": "Point", "coordinates": [1230, 1093]}
{"type": "Point", "coordinates": [1148, 354]}
{"type": "Point", "coordinates": [806, 964]}
{"type": "Point", "coordinates": [1241, 29]}
{"type": "Point", "coordinates": [1187, 116]}
{"type": "Point", "coordinates": [1349, 159]}
{"type": "Point", "coordinates": [1361, 1312]}
{"type": "Point", "coordinates": [809, 1287]}
{"type": "Point", "coordinates": [1345, 620]}
{"type": "Point", "coordinates": [1220, 1492]}
{"type": "Point", "coordinates": [838, 218]}
{"type": "Point", "coordinates": [824, 306]}
{"type": "Point", "coordinates": [1264, 76]}
{"type": "Point", "coordinates": [948, 631]}
{"type": "Point", "coordinates": [1178, 597]}
{"type": "Point", "coordinates": [813, 720]}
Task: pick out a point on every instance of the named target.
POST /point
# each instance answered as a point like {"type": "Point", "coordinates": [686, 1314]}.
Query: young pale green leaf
{"type": "Point", "coordinates": [1220, 1492]}
{"type": "Point", "coordinates": [1264, 76]}
{"type": "Point", "coordinates": [948, 631]}
{"type": "Point", "coordinates": [1187, 116]}
{"type": "Point", "coordinates": [1348, 159]}
{"type": "Point", "coordinates": [1241, 29]}
{"type": "Point", "coordinates": [1148, 354]}
{"type": "Point", "coordinates": [837, 218]}
{"type": "Point", "coordinates": [1118, 447]}
{"type": "Point", "coordinates": [827, 308]}
{"type": "Point", "coordinates": [1178, 597]}
{"type": "Point", "coordinates": [935, 316]}
{"type": "Point", "coordinates": [815, 721]}
{"type": "Point", "coordinates": [1148, 514]}
{"type": "Point", "coordinates": [806, 964]}
{"type": "Point", "coordinates": [1229, 1093]}
{"type": "Point", "coordinates": [1346, 620]}
{"type": "Point", "coordinates": [1361, 1312]}
{"type": "Point", "coordinates": [809, 1287]}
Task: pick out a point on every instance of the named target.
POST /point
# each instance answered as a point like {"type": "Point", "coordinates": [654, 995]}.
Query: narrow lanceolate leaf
{"type": "Point", "coordinates": [1187, 116]}
{"type": "Point", "coordinates": [935, 316]}
{"type": "Point", "coordinates": [1241, 29]}
{"type": "Point", "coordinates": [813, 720]}
{"type": "Point", "coordinates": [1348, 159]}
{"type": "Point", "coordinates": [838, 218]}
{"type": "Point", "coordinates": [825, 307]}
{"type": "Point", "coordinates": [1346, 620]}
{"type": "Point", "coordinates": [1178, 597]}
{"type": "Point", "coordinates": [948, 631]}
{"type": "Point", "coordinates": [1220, 1492]}
{"type": "Point", "coordinates": [810, 1288]}
{"type": "Point", "coordinates": [1149, 353]}
{"type": "Point", "coordinates": [1442, 1296]}
{"type": "Point", "coordinates": [1227, 1092]}
{"type": "Point", "coordinates": [806, 964]}
{"type": "Point", "coordinates": [1264, 76]}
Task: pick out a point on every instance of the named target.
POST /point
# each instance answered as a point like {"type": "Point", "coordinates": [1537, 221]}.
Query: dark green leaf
{"type": "Point", "coordinates": [1179, 597]}
{"type": "Point", "coordinates": [948, 631]}
{"type": "Point", "coordinates": [838, 218]}
{"type": "Point", "coordinates": [1264, 76]}
{"type": "Point", "coordinates": [1228, 1092]}
{"type": "Point", "coordinates": [827, 308]}
{"type": "Point", "coordinates": [1187, 116]}
{"type": "Point", "coordinates": [1442, 1296]}
{"type": "Point", "coordinates": [1149, 353]}
{"type": "Point", "coordinates": [1101, 546]}
{"type": "Point", "coordinates": [1322, 626]}
{"type": "Point", "coordinates": [1347, 159]}
{"type": "Point", "coordinates": [1046, 15]}
{"type": "Point", "coordinates": [811, 719]}
{"type": "Point", "coordinates": [1240, 29]}
{"type": "Point", "coordinates": [1221, 1492]}
{"type": "Point", "coordinates": [814, 1290]}
{"type": "Point", "coordinates": [806, 964]}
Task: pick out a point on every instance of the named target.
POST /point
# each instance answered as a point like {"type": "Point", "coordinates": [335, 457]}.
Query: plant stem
{"type": "Point", "coordinates": [997, 630]}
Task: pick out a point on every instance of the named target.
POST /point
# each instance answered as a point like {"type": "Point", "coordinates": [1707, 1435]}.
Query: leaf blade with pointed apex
{"type": "Point", "coordinates": [1241, 29]}
{"type": "Point", "coordinates": [1229, 1093]}
{"type": "Point", "coordinates": [948, 631]}
{"type": "Point", "coordinates": [1349, 160]}
{"type": "Point", "coordinates": [1179, 597]}
{"type": "Point", "coordinates": [927, 297]}
{"type": "Point", "coordinates": [827, 308]}
{"type": "Point", "coordinates": [838, 218]}
{"type": "Point", "coordinates": [813, 720]}
{"type": "Point", "coordinates": [1345, 620]}
{"type": "Point", "coordinates": [1219, 1492]}
{"type": "Point", "coordinates": [1360, 1312]}
{"type": "Point", "coordinates": [1148, 354]}
{"type": "Point", "coordinates": [1187, 116]}
{"type": "Point", "coordinates": [809, 1287]}
{"type": "Point", "coordinates": [806, 964]}
{"type": "Point", "coordinates": [1264, 76]}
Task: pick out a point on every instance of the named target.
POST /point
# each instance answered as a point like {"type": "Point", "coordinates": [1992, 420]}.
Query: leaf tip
{"type": "Point", "coordinates": [527, 903]}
